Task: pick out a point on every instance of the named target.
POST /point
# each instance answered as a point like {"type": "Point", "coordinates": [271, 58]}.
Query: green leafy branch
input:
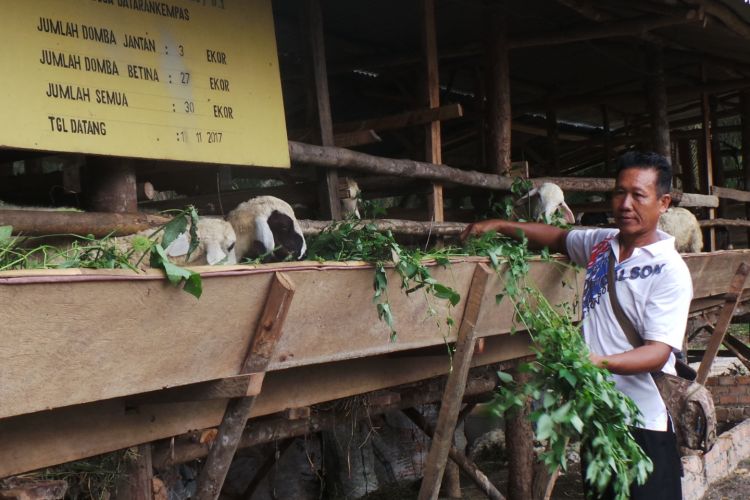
{"type": "Point", "coordinates": [578, 399]}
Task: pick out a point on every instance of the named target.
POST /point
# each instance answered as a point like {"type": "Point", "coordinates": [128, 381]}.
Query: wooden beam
{"type": "Point", "coordinates": [329, 201]}
{"type": "Point", "coordinates": [433, 144]}
{"type": "Point", "coordinates": [357, 138]}
{"type": "Point", "coordinates": [724, 14]}
{"type": "Point", "coordinates": [307, 154]}
{"type": "Point", "coordinates": [397, 226]}
{"type": "Point", "coordinates": [259, 354]}
{"type": "Point", "coordinates": [225, 388]}
{"type": "Point", "coordinates": [454, 389]}
{"type": "Point", "coordinates": [98, 224]}
{"type": "Point", "coordinates": [712, 223]}
{"type": "Point", "coordinates": [725, 318]}
{"type": "Point", "coordinates": [619, 28]}
{"type": "Point", "coordinates": [497, 70]}
{"type": "Point", "coordinates": [137, 482]}
{"type": "Point", "coordinates": [402, 120]}
{"type": "Point", "coordinates": [731, 194]}
{"type": "Point", "coordinates": [185, 449]}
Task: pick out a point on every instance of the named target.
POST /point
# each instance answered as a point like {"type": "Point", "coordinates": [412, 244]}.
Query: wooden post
{"type": "Point", "coordinates": [329, 201]}
{"type": "Point", "coordinates": [722, 238]}
{"type": "Point", "coordinates": [498, 95]}
{"type": "Point", "coordinates": [454, 388]}
{"type": "Point", "coordinates": [519, 440]}
{"type": "Point", "coordinates": [656, 92]}
{"type": "Point", "coordinates": [722, 323]}
{"type": "Point", "coordinates": [553, 136]}
{"type": "Point", "coordinates": [707, 160]}
{"type": "Point", "coordinates": [607, 138]}
{"type": "Point", "coordinates": [433, 148]}
{"type": "Point", "coordinates": [110, 185]}
{"type": "Point", "coordinates": [262, 347]}
{"type": "Point", "coordinates": [745, 114]}
{"type": "Point", "coordinates": [137, 484]}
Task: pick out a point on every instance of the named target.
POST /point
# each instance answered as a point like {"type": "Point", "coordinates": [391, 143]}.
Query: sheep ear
{"type": "Point", "coordinates": [264, 234]}
{"type": "Point", "coordinates": [567, 213]}
{"type": "Point", "coordinates": [214, 253]}
{"type": "Point", "coordinates": [526, 196]}
{"type": "Point", "coordinates": [179, 246]}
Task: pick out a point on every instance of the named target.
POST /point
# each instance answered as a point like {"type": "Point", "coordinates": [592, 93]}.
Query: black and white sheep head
{"type": "Point", "coordinates": [266, 225]}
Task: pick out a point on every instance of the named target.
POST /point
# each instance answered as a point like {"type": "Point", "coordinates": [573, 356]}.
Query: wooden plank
{"type": "Point", "coordinates": [262, 347]}
{"type": "Point", "coordinates": [708, 159]}
{"type": "Point", "coordinates": [738, 348]}
{"type": "Point", "coordinates": [731, 194]}
{"type": "Point", "coordinates": [725, 319]}
{"type": "Point", "coordinates": [51, 437]}
{"type": "Point", "coordinates": [454, 389]}
{"type": "Point", "coordinates": [711, 272]}
{"type": "Point", "coordinates": [745, 114]}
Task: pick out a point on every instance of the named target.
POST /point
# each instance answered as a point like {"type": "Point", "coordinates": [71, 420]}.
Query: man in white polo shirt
{"type": "Point", "coordinates": [654, 290]}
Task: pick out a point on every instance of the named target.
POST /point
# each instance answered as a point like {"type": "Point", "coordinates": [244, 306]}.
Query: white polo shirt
{"type": "Point", "coordinates": [654, 288]}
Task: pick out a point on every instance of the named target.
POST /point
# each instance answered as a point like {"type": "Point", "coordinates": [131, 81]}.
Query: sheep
{"type": "Point", "coordinates": [266, 226]}
{"type": "Point", "coordinates": [216, 244]}
{"type": "Point", "coordinates": [550, 199]}
{"type": "Point", "coordinates": [349, 193]}
{"type": "Point", "coordinates": [682, 224]}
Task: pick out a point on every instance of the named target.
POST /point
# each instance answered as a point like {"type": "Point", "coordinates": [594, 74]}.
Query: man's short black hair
{"type": "Point", "coordinates": [638, 159]}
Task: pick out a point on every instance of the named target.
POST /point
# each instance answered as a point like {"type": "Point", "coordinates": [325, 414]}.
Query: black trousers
{"type": "Point", "coordinates": [664, 483]}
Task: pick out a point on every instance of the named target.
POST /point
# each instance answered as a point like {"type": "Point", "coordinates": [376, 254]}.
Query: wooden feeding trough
{"type": "Point", "coordinates": [94, 361]}
{"type": "Point", "coordinates": [79, 345]}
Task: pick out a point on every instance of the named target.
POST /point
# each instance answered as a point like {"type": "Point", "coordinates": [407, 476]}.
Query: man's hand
{"type": "Point", "coordinates": [481, 227]}
{"type": "Point", "coordinates": [538, 235]}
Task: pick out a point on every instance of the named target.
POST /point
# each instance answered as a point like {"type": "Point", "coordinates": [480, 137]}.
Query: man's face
{"type": "Point", "coordinates": [636, 203]}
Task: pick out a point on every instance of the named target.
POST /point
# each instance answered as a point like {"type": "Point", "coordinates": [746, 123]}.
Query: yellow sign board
{"type": "Point", "coordinates": [188, 80]}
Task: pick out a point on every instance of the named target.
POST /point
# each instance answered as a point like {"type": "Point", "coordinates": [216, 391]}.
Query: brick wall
{"type": "Point", "coordinates": [731, 397]}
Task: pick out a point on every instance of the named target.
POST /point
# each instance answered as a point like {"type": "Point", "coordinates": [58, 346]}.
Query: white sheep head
{"type": "Point", "coordinates": [550, 199]}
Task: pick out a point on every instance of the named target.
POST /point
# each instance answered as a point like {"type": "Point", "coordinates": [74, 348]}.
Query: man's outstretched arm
{"type": "Point", "coordinates": [539, 235]}
{"type": "Point", "coordinates": [647, 358]}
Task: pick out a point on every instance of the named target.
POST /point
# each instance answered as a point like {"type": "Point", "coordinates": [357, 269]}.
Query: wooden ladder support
{"type": "Point", "coordinates": [262, 347]}
{"type": "Point", "coordinates": [738, 348]}
{"type": "Point", "coordinates": [722, 323]}
{"type": "Point", "coordinates": [469, 467]}
{"type": "Point", "coordinates": [454, 388]}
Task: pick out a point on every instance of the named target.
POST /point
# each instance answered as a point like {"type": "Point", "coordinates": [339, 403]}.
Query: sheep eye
{"type": "Point", "coordinates": [231, 247]}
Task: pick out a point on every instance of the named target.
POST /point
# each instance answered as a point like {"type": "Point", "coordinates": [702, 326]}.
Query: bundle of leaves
{"type": "Point", "coordinates": [103, 253]}
{"type": "Point", "coordinates": [579, 400]}
{"type": "Point", "coordinates": [357, 240]}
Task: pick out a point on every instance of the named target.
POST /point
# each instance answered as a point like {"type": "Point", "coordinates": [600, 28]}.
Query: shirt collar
{"type": "Point", "coordinates": [665, 243]}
